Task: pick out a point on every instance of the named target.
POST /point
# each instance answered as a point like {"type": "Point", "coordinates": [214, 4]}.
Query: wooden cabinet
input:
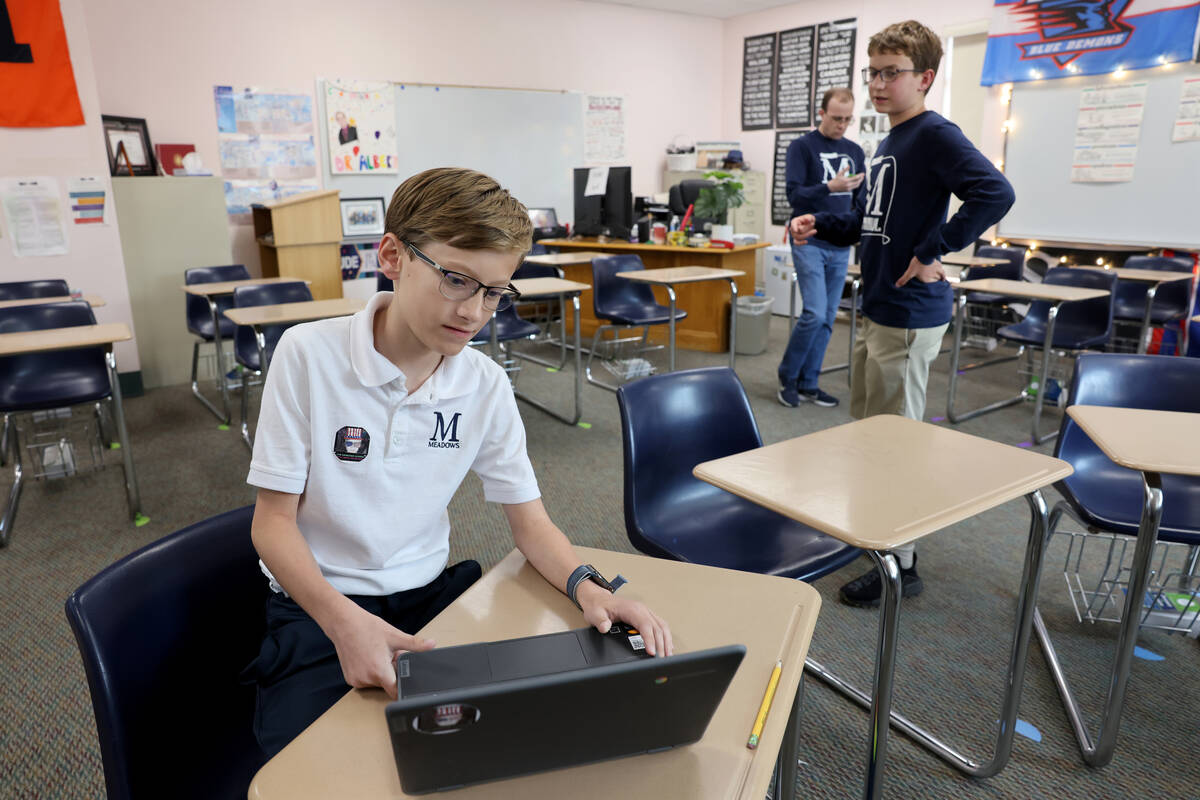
{"type": "Point", "coordinates": [300, 237]}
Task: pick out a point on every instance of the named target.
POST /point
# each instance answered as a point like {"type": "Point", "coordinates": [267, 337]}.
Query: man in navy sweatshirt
{"type": "Point", "coordinates": [824, 172]}
{"type": "Point", "coordinates": [907, 303]}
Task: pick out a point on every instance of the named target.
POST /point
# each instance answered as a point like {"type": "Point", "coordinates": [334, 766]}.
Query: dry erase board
{"type": "Point", "coordinates": [1156, 209]}
{"type": "Point", "coordinates": [528, 140]}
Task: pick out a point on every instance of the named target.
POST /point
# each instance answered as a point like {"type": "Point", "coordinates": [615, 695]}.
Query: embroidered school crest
{"type": "Point", "coordinates": [351, 443]}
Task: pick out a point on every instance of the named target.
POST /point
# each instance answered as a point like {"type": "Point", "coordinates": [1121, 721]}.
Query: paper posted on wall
{"type": "Point", "coordinates": [1106, 133]}
{"type": "Point", "coordinates": [1187, 119]}
{"type": "Point", "coordinates": [34, 217]}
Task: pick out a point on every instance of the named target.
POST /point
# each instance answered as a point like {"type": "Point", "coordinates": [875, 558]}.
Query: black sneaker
{"type": "Point", "coordinates": [866, 589]}
{"type": "Point", "coordinates": [788, 396]}
{"type": "Point", "coordinates": [818, 397]}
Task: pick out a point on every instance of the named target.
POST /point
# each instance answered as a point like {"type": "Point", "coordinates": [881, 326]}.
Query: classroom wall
{"type": "Point", "coordinates": [162, 64]}
{"type": "Point", "coordinates": [94, 264]}
{"type": "Point", "coordinates": [943, 17]}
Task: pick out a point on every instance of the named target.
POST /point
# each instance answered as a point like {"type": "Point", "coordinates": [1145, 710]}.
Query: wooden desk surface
{"type": "Point", "coordinates": [953, 273]}
{"type": "Point", "coordinates": [1034, 291]}
{"type": "Point", "coordinates": [973, 261]}
{"type": "Point", "coordinates": [559, 259]}
{"type": "Point", "coordinates": [644, 246]}
{"type": "Point", "coordinates": [884, 481]}
{"type": "Point", "coordinates": [93, 300]}
{"type": "Point", "coordinates": [296, 312]}
{"type": "Point", "coordinates": [672, 275]}
{"type": "Point", "coordinates": [347, 751]}
{"type": "Point", "coordinates": [227, 287]}
{"type": "Point", "coordinates": [534, 287]}
{"type": "Point", "coordinates": [73, 338]}
{"type": "Point", "coordinates": [1142, 439]}
{"type": "Point", "coordinates": [1143, 275]}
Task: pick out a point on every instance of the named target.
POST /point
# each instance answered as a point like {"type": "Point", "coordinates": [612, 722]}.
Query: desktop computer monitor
{"type": "Point", "coordinates": [609, 214]}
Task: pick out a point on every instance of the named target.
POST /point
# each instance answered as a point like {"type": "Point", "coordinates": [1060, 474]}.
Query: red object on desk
{"type": "Point", "coordinates": [720, 244]}
{"type": "Point", "coordinates": [687, 217]}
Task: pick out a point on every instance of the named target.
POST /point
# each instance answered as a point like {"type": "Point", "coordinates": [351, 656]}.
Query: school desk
{"type": "Point", "coordinates": [973, 261]}
{"type": "Point", "coordinates": [347, 751]}
{"type": "Point", "coordinates": [93, 300]}
{"type": "Point", "coordinates": [1153, 443]}
{"type": "Point", "coordinates": [562, 259]}
{"type": "Point", "coordinates": [1153, 278]}
{"type": "Point", "coordinates": [875, 484]}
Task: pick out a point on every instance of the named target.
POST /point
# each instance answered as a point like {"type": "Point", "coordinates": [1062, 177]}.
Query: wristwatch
{"type": "Point", "coordinates": [585, 572]}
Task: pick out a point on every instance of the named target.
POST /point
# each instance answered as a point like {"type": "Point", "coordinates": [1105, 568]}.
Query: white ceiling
{"type": "Point", "coordinates": [721, 9]}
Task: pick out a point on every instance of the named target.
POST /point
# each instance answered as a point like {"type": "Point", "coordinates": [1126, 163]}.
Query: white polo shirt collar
{"type": "Point", "coordinates": [452, 378]}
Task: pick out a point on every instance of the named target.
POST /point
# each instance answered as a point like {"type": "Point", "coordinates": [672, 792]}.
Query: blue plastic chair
{"type": "Point", "coordinates": [58, 379]}
{"type": "Point", "coordinates": [622, 304]}
{"type": "Point", "coordinates": [204, 316]}
{"type": "Point", "coordinates": [1010, 271]}
{"type": "Point", "coordinates": [1104, 497]}
{"type": "Point", "coordinates": [252, 349]}
{"type": "Point", "coordinates": [1077, 326]}
{"type": "Point", "coordinates": [27, 290]}
{"type": "Point", "coordinates": [1167, 302]}
{"type": "Point", "coordinates": [164, 634]}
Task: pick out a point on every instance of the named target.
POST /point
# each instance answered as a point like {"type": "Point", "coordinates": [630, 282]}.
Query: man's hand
{"type": "Point", "coordinates": [601, 609]}
{"type": "Point", "coordinates": [367, 647]}
{"type": "Point", "coordinates": [802, 228]}
{"type": "Point", "coordinates": [844, 182]}
{"type": "Point", "coordinates": [925, 273]}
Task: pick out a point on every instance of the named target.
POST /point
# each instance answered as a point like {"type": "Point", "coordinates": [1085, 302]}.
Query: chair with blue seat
{"type": "Point", "coordinates": [253, 348]}
{"type": "Point", "coordinates": [164, 634]}
{"type": "Point", "coordinates": [205, 317]}
{"type": "Point", "coordinates": [505, 327]}
{"type": "Point", "coordinates": [39, 382]}
{"type": "Point", "coordinates": [669, 424]}
{"type": "Point", "coordinates": [987, 311]}
{"type": "Point", "coordinates": [27, 290]}
{"type": "Point", "coordinates": [1150, 305]}
{"type": "Point", "coordinates": [1106, 499]}
{"type": "Point", "coordinates": [621, 304]}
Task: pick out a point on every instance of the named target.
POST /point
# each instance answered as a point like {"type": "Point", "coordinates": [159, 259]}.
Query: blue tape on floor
{"type": "Point", "coordinates": [1024, 444]}
{"type": "Point", "coordinates": [1146, 655]}
{"type": "Point", "coordinates": [1028, 731]}
{"type": "Point", "coordinates": [936, 419]}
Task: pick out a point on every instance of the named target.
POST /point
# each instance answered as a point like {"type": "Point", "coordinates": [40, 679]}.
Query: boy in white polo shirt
{"type": "Point", "coordinates": [368, 426]}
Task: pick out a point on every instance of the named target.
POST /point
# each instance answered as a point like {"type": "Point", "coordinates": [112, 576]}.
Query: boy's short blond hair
{"type": "Point", "coordinates": [909, 38]}
{"type": "Point", "coordinates": [461, 208]}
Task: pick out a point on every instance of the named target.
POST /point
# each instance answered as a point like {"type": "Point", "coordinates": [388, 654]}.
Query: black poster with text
{"type": "Point", "coordinates": [781, 209]}
{"type": "Point", "coordinates": [794, 84]}
{"type": "Point", "coordinates": [758, 81]}
{"type": "Point", "coordinates": [835, 58]}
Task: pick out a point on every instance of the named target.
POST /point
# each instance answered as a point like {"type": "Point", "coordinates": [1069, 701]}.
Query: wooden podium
{"type": "Point", "coordinates": [301, 237]}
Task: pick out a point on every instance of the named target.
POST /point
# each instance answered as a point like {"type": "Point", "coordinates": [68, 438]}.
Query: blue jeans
{"type": "Point", "coordinates": [821, 275]}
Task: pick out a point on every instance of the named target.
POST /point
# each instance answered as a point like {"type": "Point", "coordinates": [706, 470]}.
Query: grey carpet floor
{"type": "Point", "coordinates": [954, 638]}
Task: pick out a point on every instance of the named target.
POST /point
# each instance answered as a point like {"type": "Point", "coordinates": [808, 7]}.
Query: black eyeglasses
{"type": "Point", "coordinates": [888, 74]}
{"type": "Point", "coordinates": [459, 287]}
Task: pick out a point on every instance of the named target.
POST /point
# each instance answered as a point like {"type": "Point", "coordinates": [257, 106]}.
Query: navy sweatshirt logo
{"type": "Point", "coordinates": [881, 188]}
{"type": "Point", "coordinates": [832, 164]}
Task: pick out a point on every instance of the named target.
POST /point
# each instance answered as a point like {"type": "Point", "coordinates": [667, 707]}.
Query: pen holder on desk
{"type": "Point", "coordinates": [677, 238]}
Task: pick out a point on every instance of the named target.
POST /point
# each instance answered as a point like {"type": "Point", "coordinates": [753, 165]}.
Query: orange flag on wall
{"type": "Point", "coordinates": [36, 79]}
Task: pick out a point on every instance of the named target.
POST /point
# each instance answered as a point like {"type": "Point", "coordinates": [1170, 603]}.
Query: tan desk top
{"type": "Point", "coordinates": [559, 259]}
{"type": "Point", "coordinates": [93, 300]}
{"type": "Point", "coordinates": [635, 246]}
{"type": "Point", "coordinates": [1142, 439]}
{"type": "Point", "coordinates": [884, 481]}
{"type": "Point", "coordinates": [533, 287]}
{"type": "Point", "coordinates": [73, 338]}
{"type": "Point", "coordinates": [973, 261]}
{"type": "Point", "coordinates": [227, 287]}
{"type": "Point", "coordinates": [671, 275]}
{"type": "Point", "coordinates": [347, 751]}
{"type": "Point", "coordinates": [296, 312]}
{"type": "Point", "coordinates": [1034, 291]}
{"type": "Point", "coordinates": [953, 273]}
{"type": "Point", "coordinates": [1143, 275]}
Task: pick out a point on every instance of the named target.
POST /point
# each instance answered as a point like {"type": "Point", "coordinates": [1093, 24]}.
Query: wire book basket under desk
{"type": "Point", "coordinates": [58, 444]}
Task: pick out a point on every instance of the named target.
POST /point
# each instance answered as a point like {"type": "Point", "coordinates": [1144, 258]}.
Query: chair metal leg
{"type": "Point", "coordinates": [14, 494]}
{"type": "Point", "coordinates": [102, 431]}
{"type": "Point", "coordinates": [131, 485]}
{"type": "Point", "coordinates": [196, 385]}
{"type": "Point", "coordinates": [671, 325]}
{"type": "Point", "coordinates": [592, 354]}
{"type": "Point", "coordinates": [1039, 402]}
{"type": "Point", "coordinates": [854, 286]}
{"type": "Point", "coordinates": [960, 307]}
{"type": "Point", "coordinates": [575, 415]}
{"type": "Point", "coordinates": [1144, 331]}
{"type": "Point", "coordinates": [1098, 753]}
{"type": "Point", "coordinates": [1026, 615]}
{"type": "Point", "coordinates": [785, 768]}
{"type": "Point", "coordinates": [733, 297]}
{"type": "Point", "coordinates": [4, 440]}
{"type": "Point", "coordinates": [247, 437]}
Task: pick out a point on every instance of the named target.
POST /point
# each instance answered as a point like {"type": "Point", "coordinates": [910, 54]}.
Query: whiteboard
{"type": "Point", "coordinates": [530, 141]}
{"type": "Point", "coordinates": [1157, 209]}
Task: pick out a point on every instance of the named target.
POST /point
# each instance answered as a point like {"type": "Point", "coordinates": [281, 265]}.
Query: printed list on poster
{"type": "Point", "coordinates": [1187, 120]}
{"type": "Point", "coordinates": [1107, 132]}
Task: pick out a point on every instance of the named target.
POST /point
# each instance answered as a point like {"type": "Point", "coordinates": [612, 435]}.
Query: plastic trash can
{"type": "Point", "coordinates": [753, 324]}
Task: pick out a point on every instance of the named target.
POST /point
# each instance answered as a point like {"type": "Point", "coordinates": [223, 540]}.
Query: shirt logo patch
{"type": "Point", "coordinates": [351, 443]}
{"type": "Point", "coordinates": [445, 434]}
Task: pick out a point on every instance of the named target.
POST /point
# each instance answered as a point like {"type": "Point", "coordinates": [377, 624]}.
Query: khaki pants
{"type": "Point", "coordinates": [891, 369]}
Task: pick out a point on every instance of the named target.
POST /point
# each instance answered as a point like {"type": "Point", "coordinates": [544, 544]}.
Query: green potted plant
{"type": "Point", "coordinates": [715, 201]}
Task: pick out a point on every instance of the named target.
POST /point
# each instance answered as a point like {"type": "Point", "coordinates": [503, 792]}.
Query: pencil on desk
{"type": "Point", "coordinates": [768, 696]}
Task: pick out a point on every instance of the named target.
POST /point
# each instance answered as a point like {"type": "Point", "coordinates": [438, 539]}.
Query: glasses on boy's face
{"type": "Point", "coordinates": [459, 287]}
{"type": "Point", "coordinates": [889, 74]}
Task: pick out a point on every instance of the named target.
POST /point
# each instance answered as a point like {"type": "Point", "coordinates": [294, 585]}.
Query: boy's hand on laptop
{"type": "Point", "coordinates": [367, 647]}
{"type": "Point", "coordinates": [602, 608]}
{"type": "Point", "coordinates": [925, 273]}
{"type": "Point", "coordinates": [802, 228]}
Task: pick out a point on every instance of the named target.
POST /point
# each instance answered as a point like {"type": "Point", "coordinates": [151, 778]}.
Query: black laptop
{"type": "Point", "coordinates": [492, 710]}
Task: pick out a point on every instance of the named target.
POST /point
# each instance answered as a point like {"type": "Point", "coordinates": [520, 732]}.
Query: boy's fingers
{"type": "Point", "coordinates": [906, 277]}
{"type": "Point", "coordinates": [843, 171]}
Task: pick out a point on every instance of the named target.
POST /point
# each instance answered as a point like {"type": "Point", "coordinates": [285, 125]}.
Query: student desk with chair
{"type": "Point", "coordinates": [873, 484]}
{"type": "Point", "coordinates": [93, 300]}
{"type": "Point", "coordinates": [1153, 278]}
{"type": "Point", "coordinates": [347, 752]}
{"type": "Point", "coordinates": [706, 327]}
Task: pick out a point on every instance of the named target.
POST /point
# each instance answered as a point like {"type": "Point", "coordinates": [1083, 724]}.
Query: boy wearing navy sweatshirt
{"type": "Point", "coordinates": [901, 218]}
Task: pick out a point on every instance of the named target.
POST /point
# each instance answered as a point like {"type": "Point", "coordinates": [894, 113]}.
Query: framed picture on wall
{"type": "Point", "coordinates": [127, 142]}
{"type": "Point", "coordinates": [362, 216]}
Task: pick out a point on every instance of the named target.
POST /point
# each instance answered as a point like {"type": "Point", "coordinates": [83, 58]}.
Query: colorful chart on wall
{"type": "Point", "coordinates": [360, 126]}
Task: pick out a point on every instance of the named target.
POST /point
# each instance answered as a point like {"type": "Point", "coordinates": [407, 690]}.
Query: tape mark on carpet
{"type": "Point", "coordinates": [1147, 655]}
{"type": "Point", "coordinates": [1028, 731]}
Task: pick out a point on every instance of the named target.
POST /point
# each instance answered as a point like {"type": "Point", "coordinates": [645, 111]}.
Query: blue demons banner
{"type": "Point", "coordinates": [1031, 40]}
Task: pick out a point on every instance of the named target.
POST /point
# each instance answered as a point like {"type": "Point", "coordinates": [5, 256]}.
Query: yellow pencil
{"type": "Point", "coordinates": [761, 719]}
